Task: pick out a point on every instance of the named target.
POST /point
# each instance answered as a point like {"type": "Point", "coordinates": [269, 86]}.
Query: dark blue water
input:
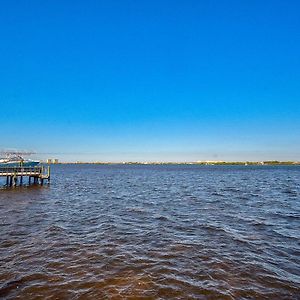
{"type": "Point", "coordinates": [153, 232]}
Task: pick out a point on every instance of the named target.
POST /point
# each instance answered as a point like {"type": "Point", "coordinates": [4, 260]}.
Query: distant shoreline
{"type": "Point", "coordinates": [207, 163]}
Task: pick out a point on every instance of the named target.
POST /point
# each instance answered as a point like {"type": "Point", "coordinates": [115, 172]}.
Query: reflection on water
{"type": "Point", "coordinates": [153, 232]}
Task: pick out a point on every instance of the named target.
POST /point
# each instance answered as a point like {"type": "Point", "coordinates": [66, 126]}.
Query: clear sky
{"type": "Point", "coordinates": [152, 80]}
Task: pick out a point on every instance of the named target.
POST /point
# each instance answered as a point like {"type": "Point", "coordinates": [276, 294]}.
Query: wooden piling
{"type": "Point", "coordinates": [15, 180]}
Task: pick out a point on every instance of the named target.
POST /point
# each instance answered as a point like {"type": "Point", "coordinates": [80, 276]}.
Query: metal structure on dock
{"type": "Point", "coordinates": [15, 175]}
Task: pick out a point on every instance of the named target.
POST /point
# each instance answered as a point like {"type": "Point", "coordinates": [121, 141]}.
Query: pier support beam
{"type": "Point", "coordinates": [15, 180]}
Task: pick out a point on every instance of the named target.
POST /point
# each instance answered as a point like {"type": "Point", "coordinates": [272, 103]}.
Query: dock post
{"type": "Point", "coordinates": [21, 180]}
{"type": "Point", "coordinates": [10, 180]}
{"type": "Point", "coordinates": [7, 180]}
{"type": "Point", "coordinates": [15, 180]}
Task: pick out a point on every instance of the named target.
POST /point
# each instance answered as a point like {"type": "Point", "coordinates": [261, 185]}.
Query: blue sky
{"type": "Point", "coordinates": [151, 80]}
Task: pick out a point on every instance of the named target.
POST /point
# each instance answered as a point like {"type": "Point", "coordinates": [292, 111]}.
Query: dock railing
{"type": "Point", "coordinates": [13, 170]}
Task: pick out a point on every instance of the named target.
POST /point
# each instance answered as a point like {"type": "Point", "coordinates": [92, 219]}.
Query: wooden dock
{"type": "Point", "coordinates": [15, 175]}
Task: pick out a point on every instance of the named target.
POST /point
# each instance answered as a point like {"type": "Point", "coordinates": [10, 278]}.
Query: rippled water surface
{"type": "Point", "coordinates": [153, 232]}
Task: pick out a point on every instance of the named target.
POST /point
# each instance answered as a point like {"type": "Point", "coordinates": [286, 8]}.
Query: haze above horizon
{"type": "Point", "coordinates": [151, 80]}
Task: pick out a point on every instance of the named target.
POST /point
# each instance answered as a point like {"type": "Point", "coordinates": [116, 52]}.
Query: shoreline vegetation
{"type": "Point", "coordinates": [219, 163]}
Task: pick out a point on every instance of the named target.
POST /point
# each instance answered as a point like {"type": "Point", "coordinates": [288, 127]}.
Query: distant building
{"type": "Point", "coordinates": [49, 161]}
{"type": "Point", "coordinates": [55, 161]}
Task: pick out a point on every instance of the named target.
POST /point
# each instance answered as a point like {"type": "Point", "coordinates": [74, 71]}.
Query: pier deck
{"type": "Point", "coordinates": [15, 175]}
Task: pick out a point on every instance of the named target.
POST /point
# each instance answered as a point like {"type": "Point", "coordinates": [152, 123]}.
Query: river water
{"type": "Point", "coordinates": [153, 232]}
